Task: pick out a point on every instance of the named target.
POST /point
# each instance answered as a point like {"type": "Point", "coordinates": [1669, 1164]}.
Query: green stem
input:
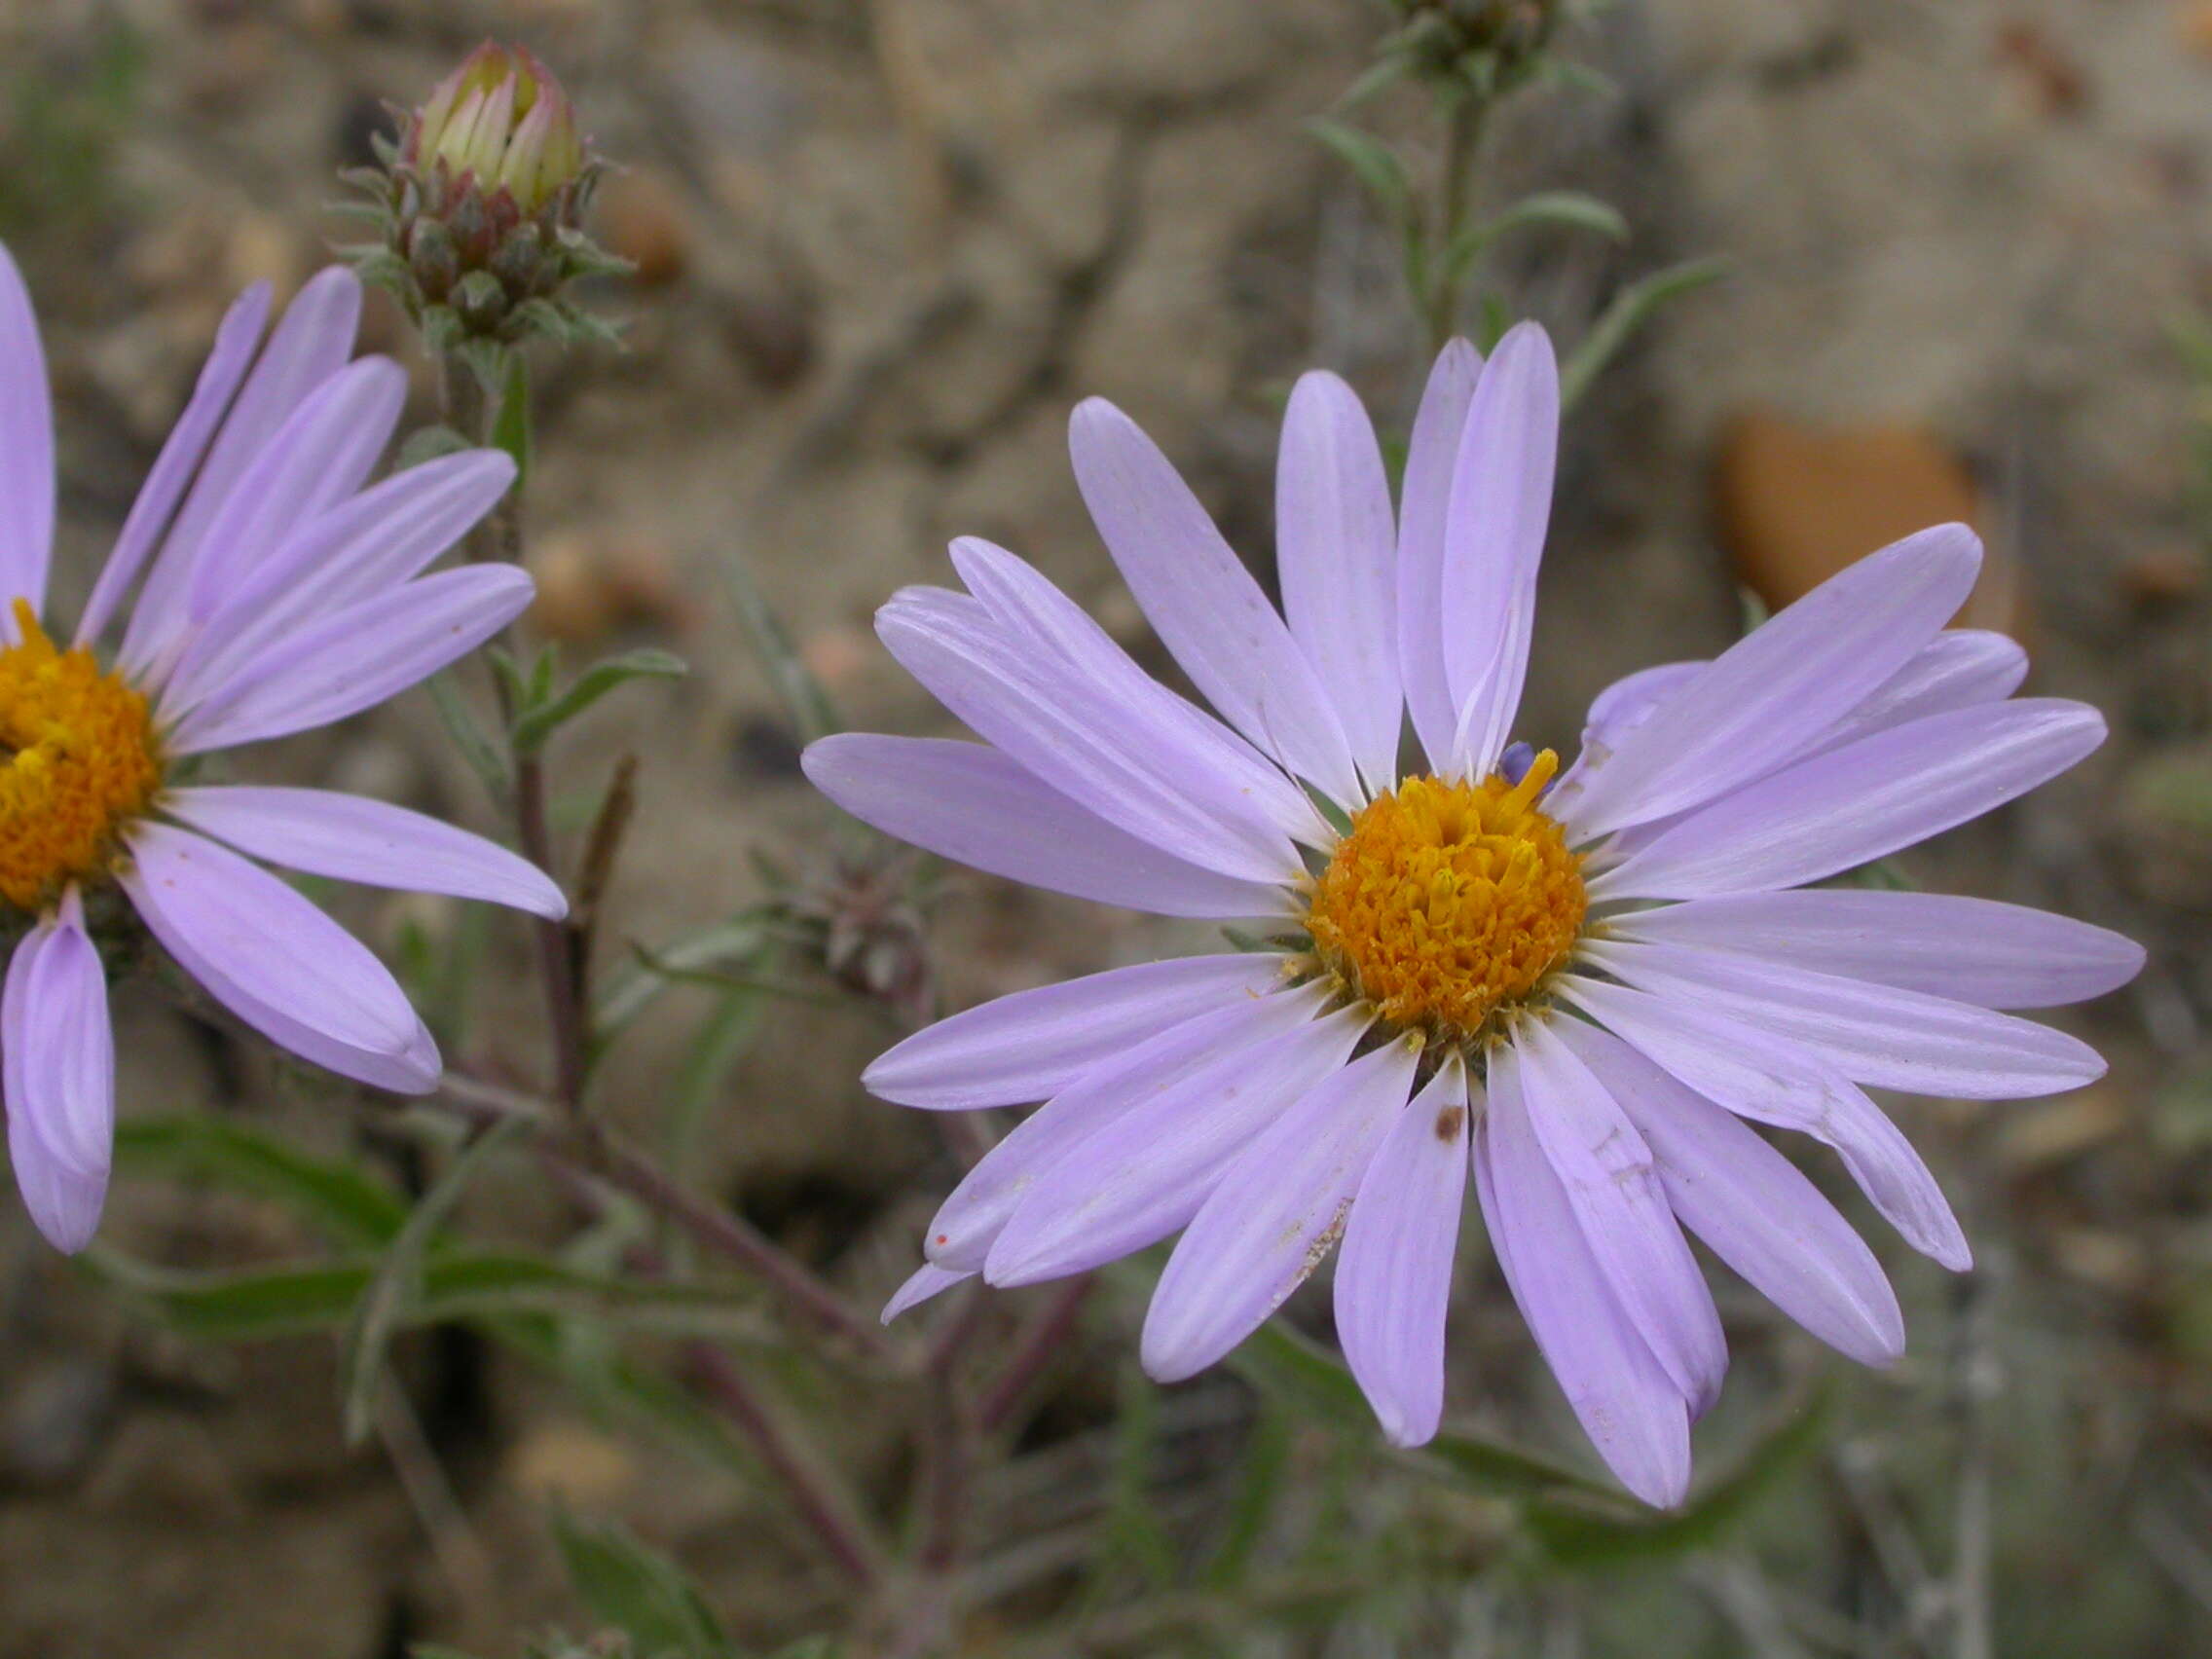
{"type": "Point", "coordinates": [500, 537]}
{"type": "Point", "coordinates": [1462, 139]}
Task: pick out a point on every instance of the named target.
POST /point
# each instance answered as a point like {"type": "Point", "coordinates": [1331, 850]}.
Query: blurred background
{"type": "Point", "coordinates": [881, 248]}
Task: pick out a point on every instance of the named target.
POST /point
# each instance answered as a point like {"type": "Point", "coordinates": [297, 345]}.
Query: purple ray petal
{"type": "Point", "coordinates": [968, 802]}
{"type": "Point", "coordinates": [26, 450]}
{"type": "Point", "coordinates": [1274, 1216]}
{"type": "Point", "coordinates": [319, 456]}
{"type": "Point", "coordinates": [1203, 604]}
{"type": "Point", "coordinates": [376, 541]}
{"type": "Point", "coordinates": [1617, 711]}
{"type": "Point", "coordinates": [180, 457]}
{"type": "Point", "coordinates": [1613, 1189]}
{"type": "Point", "coordinates": [1974, 950]}
{"type": "Point", "coordinates": [1772, 1081]}
{"type": "Point", "coordinates": [927, 1280]}
{"type": "Point", "coordinates": [264, 950]}
{"type": "Point", "coordinates": [1120, 761]}
{"type": "Point", "coordinates": [1395, 1272]}
{"type": "Point", "coordinates": [1501, 504]}
{"type": "Point", "coordinates": [1426, 501]}
{"type": "Point", "coordinates": [1873, 1034]}
{"type": "Point", "coordinates": [1336, 556]}
{"type": "Point", "coordinates": [1635, 1416]}
{"type": "Point", "coordinates": [58, 1054]}
{"type": "Point", "coordinates": [310, 342]}
{"type": "Point", "coordinates": [349, 839]}
{"type": "Point", "coordinates": [1783, 684]}
{"type": "Point", "coordinates": [1145, 1173]}
{"type": "Point", "coordinates": [1247, 783]}
{"type": "Point", "coordinates": [355, 658]}
{"type": "Point", "coordinates": [1859, 802]}
{"type": "Point", "coordinates": [970, 1220]}
{"type": "Point", "coordinates": [1750, 1204]}
{"type": "Point", "coordinates": [1032, 1044]}
{"type": "Point", "coordinates": [1958, 669]}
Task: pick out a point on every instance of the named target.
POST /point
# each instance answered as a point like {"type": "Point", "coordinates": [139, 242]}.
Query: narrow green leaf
{"type": "Point", "coordinates": [539, 723]}
{"type": "Point", "coordinates": [1296, 1372]}
{"type": "Point", "coordinates": [1569, 209]}
{"type": "Point", "coordinates": [1632, 307]}
{"type": "Point", "coordinates": [728, 979]}
{"type": "Point", "coordinates": [1133, 1531]}
{"type": "Point", "coordinates": [1500, 1470]}
{"type": "Point", "coordinates": [514, 681]}
{"type": "Point", "coordinates": [542, 673]}
{"type": "Point", "coordinates": [1385, 71]}
{"type": "Point", "coordinates": [1372, 162]}
{"type": "Point", "coordinates": [1261, 1467]}
{"type": "Point", "coordinates": [397, 1282]}
{"type": "Point", "coordinates": [483, 756]}
{"type": "Point", "coordinates": [1580, 1536]}
{"type": "Point", "coordinates": [510, 422]}
{"type": "Point", "coordinates": [1318, 1384]}
{"type": "Point", "coordinates": [638, 1589]}
{"type": "Point", "coordinates": [1496, 320]}
{"type": "Point", "coordinates": [245, 1304]}
{"type": "Point", "coordinates": [633, 990]}
{"type": "Point", "coordinates": [718, 1043]}
{"type": "Point", "coordinates": [336, 1198]}
{"type": "Point", "coordinates": [812, 712]}
{"type": "Point", "coordinates": [241, 1305]}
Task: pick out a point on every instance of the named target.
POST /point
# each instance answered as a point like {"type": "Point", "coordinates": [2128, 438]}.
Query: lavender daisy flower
{"type": "Point", "coordinates": [279, 595]}
{"type": "Point", "coordinates": [1584, 987]}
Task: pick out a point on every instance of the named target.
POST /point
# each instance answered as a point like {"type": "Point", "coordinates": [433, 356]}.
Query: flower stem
{"type": "Point", "coordinates": [818, 1502]}
{"type": "Point", "coordinates": [813, 1490]}
{"type": "Point", "coordinates": [1462, 139]}
{"type": "Point", "coordinates": [590, 1148]}
{"type": "Point", "coordinates": [560, 964]}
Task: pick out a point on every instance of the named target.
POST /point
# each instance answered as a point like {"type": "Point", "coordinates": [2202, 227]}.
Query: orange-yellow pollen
{"type": "Point", "coordinates": [77, 762]}
{"type": "Point", "coordinates": [1449, 901]}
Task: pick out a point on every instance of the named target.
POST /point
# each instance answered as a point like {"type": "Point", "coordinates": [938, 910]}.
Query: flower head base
{"type": "Point", "coordinates": [77, 762]}
{"type": "Point", "coordinates": [1482, 45]}
{"type": "Point", "coordinates": [481, 206]}
{"type": "Point", "coordinates": [1449, 901]}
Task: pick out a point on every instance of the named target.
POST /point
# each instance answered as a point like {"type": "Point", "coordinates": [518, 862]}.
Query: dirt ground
{"type": "Point", "coordinates": [884, 246]}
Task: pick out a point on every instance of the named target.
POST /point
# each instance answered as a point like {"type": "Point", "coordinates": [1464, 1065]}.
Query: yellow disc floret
{"type": "Point", "coordinates": [77, 762]}
{"type": "Point", "coordinates": [1449, 901]}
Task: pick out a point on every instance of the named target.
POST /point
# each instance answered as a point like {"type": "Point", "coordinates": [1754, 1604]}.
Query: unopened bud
{"type": "Point", "coordinates": [482, 202]}
{"type": "Point", "coordinates": [502, 122]}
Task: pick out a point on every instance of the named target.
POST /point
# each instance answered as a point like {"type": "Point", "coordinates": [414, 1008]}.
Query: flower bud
{"type": "Point", "coordinates": [1489, 45]}
{"type": "Point", "coordinates": [502, 122]}
{"type": "Point", "coordinates": [481, 205]}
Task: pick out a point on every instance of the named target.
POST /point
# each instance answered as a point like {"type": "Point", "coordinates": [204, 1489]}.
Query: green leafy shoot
{"type": "Point", "coordinates": [547, 713]}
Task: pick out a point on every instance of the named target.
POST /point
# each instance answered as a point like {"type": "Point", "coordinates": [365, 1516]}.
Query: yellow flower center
{"type": "Point", "coordinates": [1449, 901]}
{"type": "Point", "coordinates": [77, 762]}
